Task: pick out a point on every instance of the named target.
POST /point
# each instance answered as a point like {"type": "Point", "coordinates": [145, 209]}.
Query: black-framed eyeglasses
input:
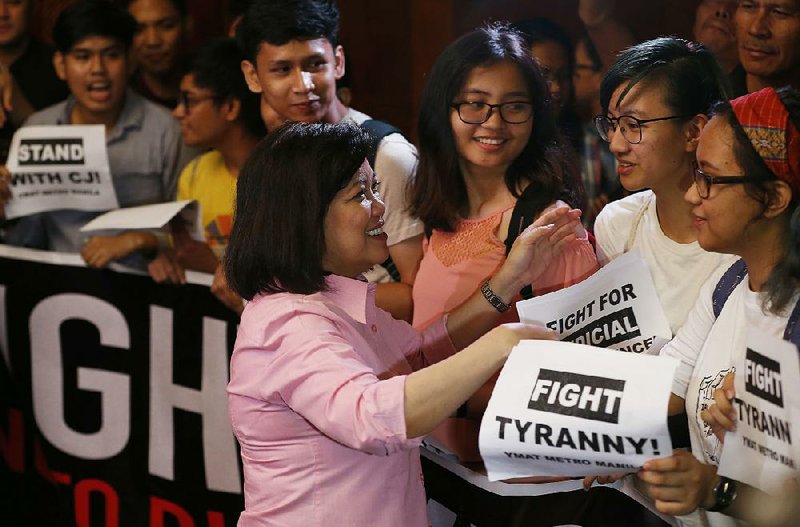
{"type": "Point", "coordinates": [512, 112]}
{"type": "Point", "coordinates": [189, 101]}
{"type": "Point", "coordinates": [630, 126]}
{"type": "Point", "coordinates": [703, 181]}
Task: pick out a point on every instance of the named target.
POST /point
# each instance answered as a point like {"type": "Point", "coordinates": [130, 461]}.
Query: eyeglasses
{"type": "Point", "coordinates": [512, 112]}
{"type": "Point", "coordinates": [630, 126]}
{"type": "Point", "coordinates": [703, 181]}
{"type": "Point", "coordinates": [189, 102]}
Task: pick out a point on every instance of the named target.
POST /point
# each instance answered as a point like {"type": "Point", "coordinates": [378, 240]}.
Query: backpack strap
{"type": "Point", "coordinates": [529, 206]}
{"type": "Point", "coordinates": [732, 277]}
{"type": "Point", "coordinates": [635, 223]}
{"type": "Point", "coordinates": [792, 331]}
{"type": "Point", "coordinates": [378, 130]}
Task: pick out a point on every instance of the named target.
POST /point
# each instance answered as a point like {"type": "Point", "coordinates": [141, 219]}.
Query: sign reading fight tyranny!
{"type": "Point", "coordinates": [617, 307]}
{"type": "Point", "coordinates": [564, 409]}
{"type": "Point", "coordinates": [764, 451]}
{"type": "Point", "coordinates": [59, 167]}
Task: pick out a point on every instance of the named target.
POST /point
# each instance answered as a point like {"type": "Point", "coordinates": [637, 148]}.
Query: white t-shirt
{"type": "Point", "coordinates": [707, 348]}
{"type": "Point", "coordinates": [678, 269]}
{"type": "Point", "coordinates": [395, 165]}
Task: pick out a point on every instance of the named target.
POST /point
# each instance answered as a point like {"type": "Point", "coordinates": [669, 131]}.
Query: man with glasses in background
{"type": "Point", "coordinates": [218, 112]}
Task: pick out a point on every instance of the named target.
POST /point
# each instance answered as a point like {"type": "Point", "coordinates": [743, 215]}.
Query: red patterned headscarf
{"type": "Point", "coordinates": [766, 123]}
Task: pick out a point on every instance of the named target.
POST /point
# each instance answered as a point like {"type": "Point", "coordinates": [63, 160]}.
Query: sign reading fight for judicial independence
{"type": "Point", "coordinates": [764, 451]}
{"type": "Point", "coordinates": [617, 307]}
{"type": "Point", "coordinates": [59, 167]}
{"type": "Point", "coordinates": [113, 410]}
{"type": "Point", "coordinates": [564, 409]}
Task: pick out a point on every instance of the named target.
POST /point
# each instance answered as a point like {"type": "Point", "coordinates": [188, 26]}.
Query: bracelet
{"type": "Point", "coordinates": [493, 299]}
{"type": "Point", "coordinates": [724, 494]}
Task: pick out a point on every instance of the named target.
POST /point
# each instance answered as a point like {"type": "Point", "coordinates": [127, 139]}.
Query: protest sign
{"type": "Point", "coordinates": [763, 451]}
{"type": "Point", "coordinates": [564, 409]}
{"type": "Point", "coordinates": [154, 216]}
{"type": "Point", "coordinates": [617, 307]}
{"type": "Point", "coordinates": [59, 167]}
{"type": "Point", "coordinates": [112, 398]}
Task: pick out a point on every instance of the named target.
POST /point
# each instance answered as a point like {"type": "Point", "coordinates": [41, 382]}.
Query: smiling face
{"type": "Point", "coordinates": [298, 79]}
{"type": "Point", "coordinates": [159, 35]}
{"type": "Point", "coordinates": [353, 227]}
{"type": "Point", "coordinates": [768, 34]}
{"type": "Point", "coordinates": [96, 72]}
{"type": "Point", "coordinates": [725, 220]}
{"type": "Point", "coordinates": [495, 144]}
{"type": "Point", "coordinates": [663, 158]}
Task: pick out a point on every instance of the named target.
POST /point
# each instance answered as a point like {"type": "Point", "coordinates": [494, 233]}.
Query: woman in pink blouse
{"type": "Point", "coordinates": [329, 395]}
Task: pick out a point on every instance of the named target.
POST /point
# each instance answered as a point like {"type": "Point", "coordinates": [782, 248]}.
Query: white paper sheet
{"type": "Point", "coordinates": [564, 409]}
{"type": "Point", "coordinates": [617, 307]}
{"type": "Point", "coordinates": [764, 451]}
{"type": "Point", "coordinates": [59, 167]}
{"type": "Point", "coordinates": [150, 217]}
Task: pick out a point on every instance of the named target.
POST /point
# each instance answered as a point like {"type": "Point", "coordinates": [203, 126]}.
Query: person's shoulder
{"type": "Point", "coordinates": [153, 113]}
{"type": "Point", "coordinates": [621, 211]}
{"type": "Point", "coordinates": [291, 307]}
{"type": "Point", "coordinates": [50, 115]}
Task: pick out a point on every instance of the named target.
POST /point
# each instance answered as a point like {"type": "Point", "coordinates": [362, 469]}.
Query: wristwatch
{"type": "Point", "coordinates": [493, 299]}
{"type": "Point", "coordinates": [724, 494]}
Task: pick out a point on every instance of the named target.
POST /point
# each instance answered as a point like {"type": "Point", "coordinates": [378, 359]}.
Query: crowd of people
{"type": "Point", "coordinates": [376, 280]}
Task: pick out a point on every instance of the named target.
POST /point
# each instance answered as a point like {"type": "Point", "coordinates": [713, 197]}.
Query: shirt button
{"type": "Point", "coordinates": [374, 328]}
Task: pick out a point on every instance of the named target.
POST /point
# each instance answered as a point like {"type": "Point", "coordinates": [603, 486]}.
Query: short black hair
{"type": "Point", "coordinates": [180, 5]}
{"type": "Point", "coordinates": [541, 29]}
{"type": "Point", "coordinates": [687, 71]}
{"type": "Point", "coordinates": [283, 193]}
{"type": "Point", "coordinates": [277, 22]}
{"type": "Point", "coordinates": [93, 18]}
{"type": "Point", "coordinates": [216, 67]}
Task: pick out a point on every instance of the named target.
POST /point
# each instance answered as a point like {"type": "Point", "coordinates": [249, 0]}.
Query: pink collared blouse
{"type": "Point", "coordinates": [316, 399]}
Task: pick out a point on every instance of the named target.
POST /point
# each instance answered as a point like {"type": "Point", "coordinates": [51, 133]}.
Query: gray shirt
{"type": "Point", "coordinates": [145, 155]}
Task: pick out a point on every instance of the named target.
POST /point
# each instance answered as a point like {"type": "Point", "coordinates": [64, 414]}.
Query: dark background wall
{"type": "Point", "coordinates": [391, 44]}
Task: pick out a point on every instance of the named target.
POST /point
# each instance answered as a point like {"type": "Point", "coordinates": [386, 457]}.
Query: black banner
{"type": "Point", "coordinates": [114, 411]}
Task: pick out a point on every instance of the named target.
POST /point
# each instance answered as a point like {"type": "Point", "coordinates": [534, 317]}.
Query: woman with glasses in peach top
{"type": "Point", "coordinates": [488, 138]}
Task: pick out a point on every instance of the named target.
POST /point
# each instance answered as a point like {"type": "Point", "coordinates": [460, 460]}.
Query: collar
{"type": "Point", "coordinates": [352, 295]}
{"type": "Point", "coordinates": [131, 117]}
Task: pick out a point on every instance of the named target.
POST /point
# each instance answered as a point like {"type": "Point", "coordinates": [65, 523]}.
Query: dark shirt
{"type": "Point", "coordinates": [738, 80]}
{"type": "Point", "coordinates": [37, 79]}
{"type": "Point", "coordinates": [139, 86]}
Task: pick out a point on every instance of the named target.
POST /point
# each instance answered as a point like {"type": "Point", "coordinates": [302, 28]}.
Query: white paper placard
{"type": "Point", "coordinates": [564, 409]}
{"type": "Point", "coordinates": [764, 450]}
{"type": "Point", "coordinates": [150, 217]}
{"type": "Point", "coordinates": [617, 307]}
{"type": "Point", "coordinates": [59, 167]}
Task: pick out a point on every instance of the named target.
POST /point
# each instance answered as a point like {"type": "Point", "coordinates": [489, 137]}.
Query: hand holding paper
{"type": "Point", "coordinates": [99, 251]}
{"type": "Point", "coordinates": [679, 484]}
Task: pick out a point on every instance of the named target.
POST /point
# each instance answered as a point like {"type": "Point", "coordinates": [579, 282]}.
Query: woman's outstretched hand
{"type": "Point", "coordinates": [539, 244]}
